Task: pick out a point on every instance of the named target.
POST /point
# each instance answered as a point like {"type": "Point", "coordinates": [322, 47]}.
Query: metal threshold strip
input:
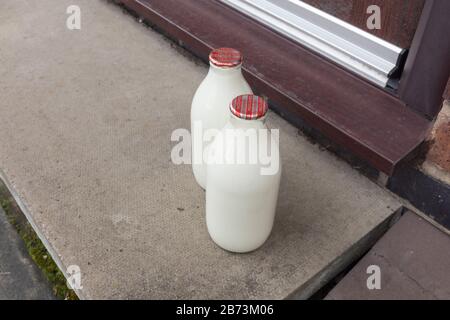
{"type": "Point", "coordinates": [366, 55]}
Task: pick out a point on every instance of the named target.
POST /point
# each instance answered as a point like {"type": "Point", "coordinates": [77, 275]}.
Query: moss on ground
{"type": "Point", "coordinates": [35, 247]}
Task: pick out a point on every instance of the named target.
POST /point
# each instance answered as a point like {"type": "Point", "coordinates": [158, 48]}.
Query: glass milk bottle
{"type": "Point", "coordinates": [211, 101]}
{"type": "Point", "coordinates": [243, 178]}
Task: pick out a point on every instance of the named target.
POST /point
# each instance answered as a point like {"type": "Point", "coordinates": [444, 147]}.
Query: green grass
{"type": "Point", "coordinates": [35, 247]}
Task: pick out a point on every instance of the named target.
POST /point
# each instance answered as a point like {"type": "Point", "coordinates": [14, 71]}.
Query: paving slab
{"type": "Point", "coordinates": [20, 278]}
{"type": "Point", "coordinates": [87, 117]}
{"type": "Point", "coordinates": [414, 262]}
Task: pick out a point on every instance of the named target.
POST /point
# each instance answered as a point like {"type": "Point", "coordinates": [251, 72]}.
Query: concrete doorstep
{"type": "Point", "coordinates": [87, 117]}
{"type": "Point", "coordinates": [410, 262]}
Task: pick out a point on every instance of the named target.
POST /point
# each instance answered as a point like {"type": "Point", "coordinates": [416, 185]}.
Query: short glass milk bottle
{"type": "Point", "coordinates": [211, 101]}
{"type": "Point", "coordinates": [243, 178]}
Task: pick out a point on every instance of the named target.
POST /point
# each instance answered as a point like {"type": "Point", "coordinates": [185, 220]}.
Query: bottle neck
{"type": "Point", "coordinates": [244, 124]}
{"type": "Point", "coordinates": [219, 72]}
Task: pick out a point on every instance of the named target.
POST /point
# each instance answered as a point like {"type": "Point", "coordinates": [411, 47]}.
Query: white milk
{"type": "Point", "coordinates": [210, 106]}
{"type": "Point", "coordinates": [240, 200]}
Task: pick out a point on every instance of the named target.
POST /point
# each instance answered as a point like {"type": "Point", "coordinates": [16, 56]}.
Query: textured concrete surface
{"type": "Point", "coordinates": [414, 261]}
{"type": "Point", "coordinates": [85, 132]}
{"type": "Point", "coordinates": [20, 278]}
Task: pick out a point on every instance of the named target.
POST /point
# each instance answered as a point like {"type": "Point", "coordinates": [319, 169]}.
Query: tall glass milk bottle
{"type": "Point", "coordinates": [243, 178]}
{"type": "Point", "coordinates": [211, 101]}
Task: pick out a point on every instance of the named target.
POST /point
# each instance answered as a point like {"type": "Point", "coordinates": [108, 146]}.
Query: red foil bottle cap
{"type": "Point", "coordinates": [249, 107]}
{"type": "Point", "coordinates": [225, 57]}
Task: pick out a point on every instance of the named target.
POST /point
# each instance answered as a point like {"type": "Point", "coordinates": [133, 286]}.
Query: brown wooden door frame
{"type": "Point", "coordinates": [427, 68]}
